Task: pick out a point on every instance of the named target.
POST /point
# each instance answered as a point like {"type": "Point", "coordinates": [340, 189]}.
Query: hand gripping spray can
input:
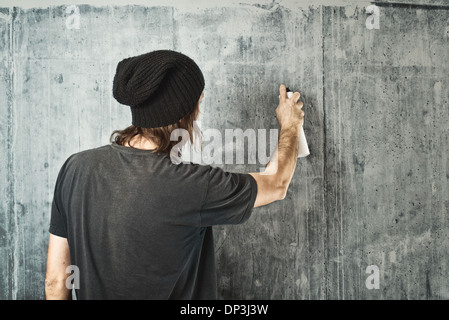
{"type": "Point", "coordinates": [303, 150]}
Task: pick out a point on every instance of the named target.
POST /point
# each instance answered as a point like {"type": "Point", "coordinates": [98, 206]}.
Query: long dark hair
{"type": "Point", "coordinates": [160, 136]}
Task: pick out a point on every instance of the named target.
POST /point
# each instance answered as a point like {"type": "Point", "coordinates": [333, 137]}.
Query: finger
{"type": "Point", "coordinates": [300, 104]}
{"type": "Point", "coordinates": [295, 96]}
{"type": "Point", "coordinates": [283, 92]}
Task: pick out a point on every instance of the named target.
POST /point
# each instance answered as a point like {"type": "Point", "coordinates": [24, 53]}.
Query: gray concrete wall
{"type": "Point", "coordinates": [373, 191]}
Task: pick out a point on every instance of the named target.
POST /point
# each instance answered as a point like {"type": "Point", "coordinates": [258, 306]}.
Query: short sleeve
{"type": "Point", "coordinates": [58, 221]}
{"type": "Point", "coordinates": [229, 199]}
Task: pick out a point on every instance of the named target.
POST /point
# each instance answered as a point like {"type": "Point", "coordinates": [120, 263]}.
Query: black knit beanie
{"type": "Point", "coordinates": [161, 87]}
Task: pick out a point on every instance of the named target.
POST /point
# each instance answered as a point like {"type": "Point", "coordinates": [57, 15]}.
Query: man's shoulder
{"type": "Point", "coordinates": [87, 156]}
{"type": "Point", "coordinates": [92, 152]}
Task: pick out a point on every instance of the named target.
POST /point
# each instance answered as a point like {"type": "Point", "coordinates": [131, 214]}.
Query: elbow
{"type": "Point", "coordinates": [282, 196]}
{"type": "Point", "coordinates": [282, 192]}
{"type": "Point", "coordinates": [55, 282]}
{"type": "Point", "coordinates": [281, 187]}
{"type": "Point", "coordinates": [56, 289]}
{"type": "Point", "coordinates": [52, 284]}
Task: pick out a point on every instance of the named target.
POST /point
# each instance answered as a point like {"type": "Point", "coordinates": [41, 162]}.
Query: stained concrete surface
{"type": "Point", "coordinates": [373, 191]}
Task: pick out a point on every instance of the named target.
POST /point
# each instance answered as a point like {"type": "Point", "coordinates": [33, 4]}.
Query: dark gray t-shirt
{"type": "Point", "coordinates": [139, 226]}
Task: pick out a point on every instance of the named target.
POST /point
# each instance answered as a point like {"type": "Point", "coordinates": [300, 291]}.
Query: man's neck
{"type": "Point", "coordinates": [140, 142]}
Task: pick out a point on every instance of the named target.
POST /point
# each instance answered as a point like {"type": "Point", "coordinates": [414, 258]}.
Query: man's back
{"type": "Point", "coordinates": [139, 226]}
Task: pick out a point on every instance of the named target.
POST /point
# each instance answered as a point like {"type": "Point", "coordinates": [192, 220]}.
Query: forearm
{"type": "Point", "coordinates": [283, 161]}
{"type": "Point", "coordinates": [273, 182]}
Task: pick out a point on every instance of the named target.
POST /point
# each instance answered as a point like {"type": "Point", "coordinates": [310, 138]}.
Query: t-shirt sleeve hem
{"type": "Point", "coordinates": [252, 199]}
{"type": "Point", "coordinates": [57, 231]}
